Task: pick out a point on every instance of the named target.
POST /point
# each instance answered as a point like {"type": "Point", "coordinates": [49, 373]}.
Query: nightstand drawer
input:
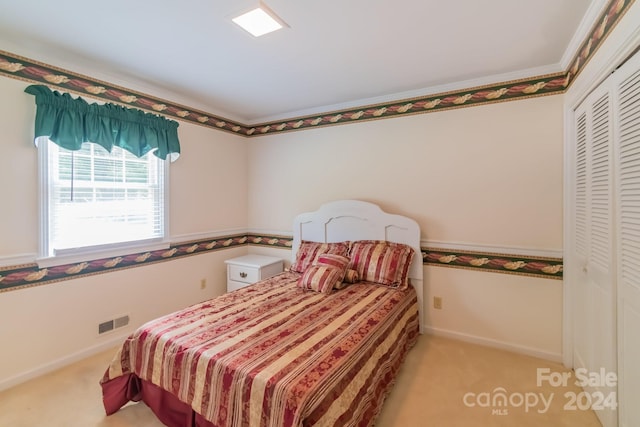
{"type": "Point", "coordinates": [242, 273]}
{"type": "Point", "coordinates": [248, 269]}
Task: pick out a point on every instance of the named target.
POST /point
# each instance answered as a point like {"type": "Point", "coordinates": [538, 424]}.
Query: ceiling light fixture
{"type": "Point", "coordinates": [260, 20]}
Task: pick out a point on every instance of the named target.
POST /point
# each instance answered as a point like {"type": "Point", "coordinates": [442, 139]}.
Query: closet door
{"type": "Point", "coordinates": [628, 241]}
{"type": "Point", "coordinates": [593, 266]}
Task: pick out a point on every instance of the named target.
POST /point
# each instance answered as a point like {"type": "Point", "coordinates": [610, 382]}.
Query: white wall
{"type": "Point", "coordinates": [18, 171]}
{"type": "Point", "coordinates": [47, 326]}
{"type": "Point", "coordinates": [488, 176]}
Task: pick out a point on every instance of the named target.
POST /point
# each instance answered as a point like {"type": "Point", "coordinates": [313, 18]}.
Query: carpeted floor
{"type": "Point", "coordinates": [443, 383]}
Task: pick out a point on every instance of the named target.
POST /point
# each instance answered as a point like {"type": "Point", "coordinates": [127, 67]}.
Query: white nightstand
{"type": "Point", "coordinates": [248, 269]}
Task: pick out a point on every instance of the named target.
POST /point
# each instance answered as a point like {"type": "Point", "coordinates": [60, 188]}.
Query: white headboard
{"type": "Point", "coordinates": [344, 220]}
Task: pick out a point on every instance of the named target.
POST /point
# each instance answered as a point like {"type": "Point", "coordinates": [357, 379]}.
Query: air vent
{"type": "Point", "coordinates": [120, 322]}
{"type": "Point", "coordinates": [112, 324]}
{"type": "Point", "coordinates": [105, 327]}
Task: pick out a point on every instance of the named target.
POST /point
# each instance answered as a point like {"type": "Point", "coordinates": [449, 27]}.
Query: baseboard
{"type": "Point", "coordinates": [488, 342]}
{"type": "Point", "coordinates": [62, 362]}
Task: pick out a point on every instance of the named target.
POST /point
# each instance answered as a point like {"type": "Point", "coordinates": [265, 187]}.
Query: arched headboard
{"type": "Point", "coordinates": [344, 220]}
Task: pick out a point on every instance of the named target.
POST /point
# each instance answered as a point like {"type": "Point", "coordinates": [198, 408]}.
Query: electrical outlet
{"type": "Point", "coordinates": [203, 283]}
{"type": "Point", "coordinates": [437, 303]}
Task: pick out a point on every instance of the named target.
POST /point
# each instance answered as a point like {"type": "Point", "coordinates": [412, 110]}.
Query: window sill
{"type": "Point", "coordinates": [92, 254]}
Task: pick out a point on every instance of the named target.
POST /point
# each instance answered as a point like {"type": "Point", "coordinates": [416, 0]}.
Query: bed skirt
{"type": "Point", "coordinates": [167, 408]}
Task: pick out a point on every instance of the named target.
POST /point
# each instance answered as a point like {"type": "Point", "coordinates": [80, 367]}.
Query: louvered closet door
{"type": "Point", "coordinates": [595, 325]}
{"type": "Point", "coordinates": [581, 318]}
{"type": "Point", "coordinates": [628, 241]}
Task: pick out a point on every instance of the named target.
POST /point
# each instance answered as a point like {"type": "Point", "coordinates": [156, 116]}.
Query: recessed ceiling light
{"type": "Point", "coordinates": [259, 21]}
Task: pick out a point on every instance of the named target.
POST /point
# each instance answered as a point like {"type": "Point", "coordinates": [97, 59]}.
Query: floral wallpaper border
{"type": "Point", "coordinates": [63, 80]}
{"type": "Point", "coordinates": [32, 71]}
{"type": "Point", "coordinates": [14, 277]}
{"type": "Point", "coordinates": [550, 268]}
{"type": "Point", "coordinates": [23, 276]}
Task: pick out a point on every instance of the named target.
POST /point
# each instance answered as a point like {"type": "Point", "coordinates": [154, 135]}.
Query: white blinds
{"type": "Point", "coordinates": [98, 198]}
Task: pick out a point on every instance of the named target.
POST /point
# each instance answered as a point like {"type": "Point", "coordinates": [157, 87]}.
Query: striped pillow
{"type": "Point", "coordinates": [332, 260]}
{"type": "Point", "coordinates": [309, 251]}
{"type": "Point", "coordinates": [325, 274]}
{"type": "Point", "coordinates": [382, 262]}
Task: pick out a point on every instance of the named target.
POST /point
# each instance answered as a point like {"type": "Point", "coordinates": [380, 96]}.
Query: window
{"type": "Point", "coordinates": [103, 177]}
{"type": "Point", "coordinates": [94, 200]}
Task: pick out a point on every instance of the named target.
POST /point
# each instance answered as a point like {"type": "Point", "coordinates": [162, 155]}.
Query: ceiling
{"type": "Point", "coordinates": [335, 53]}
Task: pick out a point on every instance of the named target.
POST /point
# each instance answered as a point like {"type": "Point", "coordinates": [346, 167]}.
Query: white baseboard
{"type": "Point", "coordinates": [488, 342]}
{"type": "Point", "coordinates": [62, 362]}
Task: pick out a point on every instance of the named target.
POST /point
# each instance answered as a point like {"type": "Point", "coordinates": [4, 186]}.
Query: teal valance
{"type": "Point", "coordinates": [70, 122]}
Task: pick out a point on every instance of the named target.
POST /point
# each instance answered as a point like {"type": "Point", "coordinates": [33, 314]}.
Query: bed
{"type": "Point", "coordinates": [291, 350]}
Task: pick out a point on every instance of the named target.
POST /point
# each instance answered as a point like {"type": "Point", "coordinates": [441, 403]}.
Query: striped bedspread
{"type": "Point", "coordinates": [272, 354]}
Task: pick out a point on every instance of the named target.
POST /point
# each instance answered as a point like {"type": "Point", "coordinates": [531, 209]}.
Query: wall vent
{"type": "Point", "coordinates": [105, 327]}
{"type": "Point", "coordinates": [120, 322]}
{"type": "Point", "coordinates": [112, 324]}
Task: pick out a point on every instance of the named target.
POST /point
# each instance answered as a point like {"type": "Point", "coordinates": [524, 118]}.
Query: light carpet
{"type": "Point", "coordinates": [443, 383]}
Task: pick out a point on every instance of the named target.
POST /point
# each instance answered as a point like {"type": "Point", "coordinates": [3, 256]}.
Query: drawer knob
{"type": "Point", "coordinates": [243, 274]}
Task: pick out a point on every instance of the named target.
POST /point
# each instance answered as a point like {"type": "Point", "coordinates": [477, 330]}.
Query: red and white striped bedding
{"type": "Point", "coordinates": [272, 354]}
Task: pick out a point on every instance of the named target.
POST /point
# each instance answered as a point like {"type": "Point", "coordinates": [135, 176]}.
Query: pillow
{"type": "Point", "coordinates": [320, 278]}
{"type": "Point", "coordinates": [325, 274]}
{"type": "Point", "coordinates": [350, 276]}
{"type": "Point", "coordinates": [382, 262]}
{"type": "Point", "coordinates": [308, 252]}
{"type": "Point", "coordinates": [333, 260]}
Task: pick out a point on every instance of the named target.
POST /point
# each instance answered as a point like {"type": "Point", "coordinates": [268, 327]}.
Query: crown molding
{"type": "Point", "coordinates": [582, 33]}
{"type": "Point", "coordinates": [417, 93]}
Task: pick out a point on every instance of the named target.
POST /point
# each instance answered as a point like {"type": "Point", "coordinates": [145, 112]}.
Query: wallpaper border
{"type": "Point", "coordinates": [523, 265]}
{"type": "Point", "coordinates": [29, 275]}
{"type": "Point", "coordinates": [21, 68]}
